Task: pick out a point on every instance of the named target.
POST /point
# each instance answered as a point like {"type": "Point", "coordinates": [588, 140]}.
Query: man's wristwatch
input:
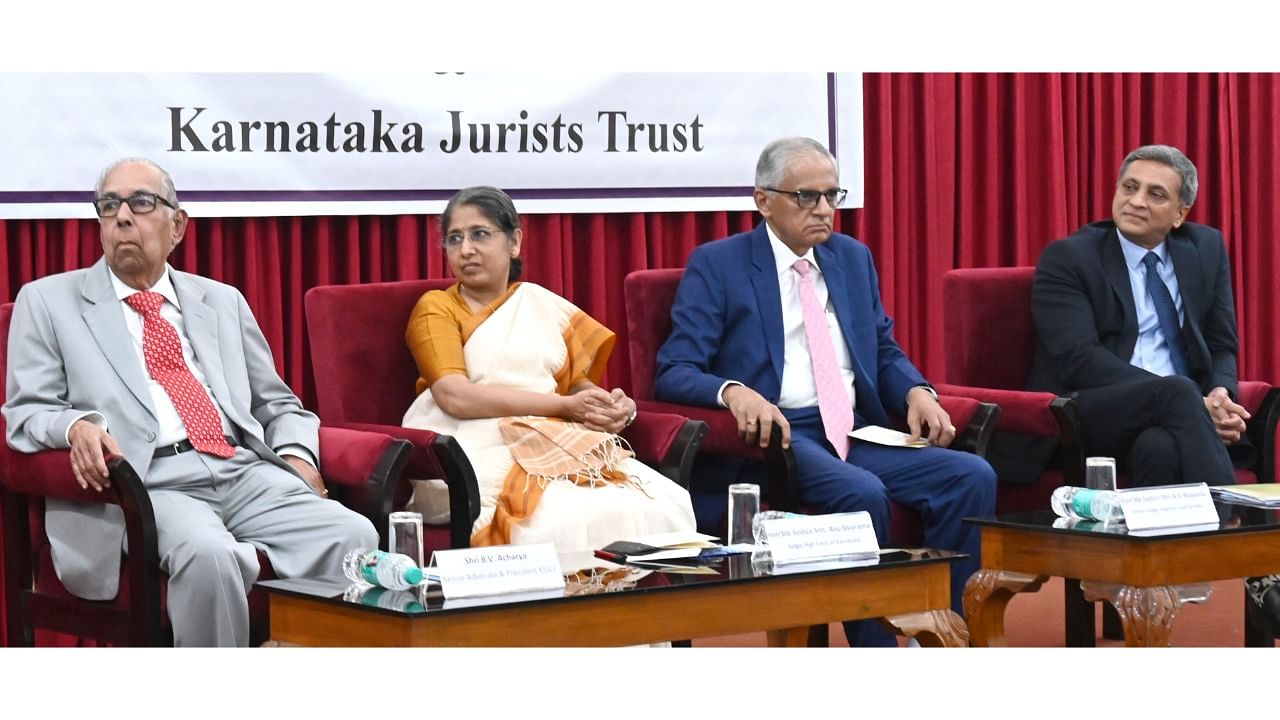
{"type": "Point", "coordinates": [931, 391]}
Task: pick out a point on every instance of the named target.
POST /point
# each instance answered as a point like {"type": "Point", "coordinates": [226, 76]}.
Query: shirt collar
{"type": "Point", "coordinates": [164, 286]}
{"type": "Point", "coordinates": [785, 257]}
{"type": "Point", "coordinates": [1133, 252]}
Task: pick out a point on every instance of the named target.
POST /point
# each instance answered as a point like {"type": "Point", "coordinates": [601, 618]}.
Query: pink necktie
{"type": "Point", "coordinates": [833, 397]}
{"type": "Point", "coordinates": [163, 352]}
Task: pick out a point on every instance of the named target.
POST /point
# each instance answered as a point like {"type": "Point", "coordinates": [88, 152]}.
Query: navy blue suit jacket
{"type": "Point", "coordinates": [727, 325]}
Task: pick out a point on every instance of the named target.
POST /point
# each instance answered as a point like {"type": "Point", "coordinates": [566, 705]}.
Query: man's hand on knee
{"type": "Point", "coordinates": [1228, 416]}
{"type": "Point", "coordinates": [923, 411]}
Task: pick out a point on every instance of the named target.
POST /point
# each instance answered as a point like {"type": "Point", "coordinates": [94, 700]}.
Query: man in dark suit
{"type": "Point", "coordinates": [1158, 396]}
{"type": "Point", "coordinates": [1135, 320]}
{"type": "Point", "coordinates": [784, 325]}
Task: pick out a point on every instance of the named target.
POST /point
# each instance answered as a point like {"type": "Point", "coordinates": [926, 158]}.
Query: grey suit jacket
{"type": "Point", "coordinates": [70, 352]}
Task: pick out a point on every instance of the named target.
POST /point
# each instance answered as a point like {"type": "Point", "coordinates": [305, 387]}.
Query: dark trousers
{"type": "Point", "coordinates": [945, 486]}
{"type": "Point", "coordinates": [1157, 429]}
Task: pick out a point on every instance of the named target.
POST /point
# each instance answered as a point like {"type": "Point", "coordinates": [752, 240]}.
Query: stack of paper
{"type": "Point", "coordinates": [1264, 495]}
{"type": "Point", "coordinates": [885, 436]}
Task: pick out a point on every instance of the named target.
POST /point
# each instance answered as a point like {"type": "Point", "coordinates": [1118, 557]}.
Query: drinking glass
{"type": "Point", "coordinates": [1100, 473]}
{"type": "Point", "coordinates": [404, 534]}
{"type": "Point", "coordinates": [744, 503]}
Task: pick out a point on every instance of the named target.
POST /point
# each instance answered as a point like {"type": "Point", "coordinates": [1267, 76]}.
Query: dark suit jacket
{"type": "Point", "coordinates": [1086, 325]}
{"type": "Point", "coordinates": [727, 325]}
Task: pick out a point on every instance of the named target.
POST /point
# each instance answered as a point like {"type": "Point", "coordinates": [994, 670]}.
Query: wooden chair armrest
{"type": "Point", "coordinates": [438, 456]}
{"type": "Point", "coordinates": [363, 469]}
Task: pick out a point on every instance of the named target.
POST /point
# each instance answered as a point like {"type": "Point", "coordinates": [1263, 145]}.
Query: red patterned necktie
{"type": "Point", "coordinates": [833, 398]}
{"type": "Point", "coordinates": [163, 352]}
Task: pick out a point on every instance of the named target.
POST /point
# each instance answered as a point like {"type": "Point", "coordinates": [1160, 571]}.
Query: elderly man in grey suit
{"type": "Point", "coordinates": [169, 370]}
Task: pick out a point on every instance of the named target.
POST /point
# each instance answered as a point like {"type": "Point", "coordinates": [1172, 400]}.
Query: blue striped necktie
{"type": "Point", "coordinates": [1166, 313]}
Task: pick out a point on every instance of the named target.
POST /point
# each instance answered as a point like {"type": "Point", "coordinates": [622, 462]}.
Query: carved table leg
{"type": "Point", "coordinates": [932, 628]}
{"type": "Point", "coordinates": [986, 595]}
{"type": "Point", "coordinates": [1147, 613]}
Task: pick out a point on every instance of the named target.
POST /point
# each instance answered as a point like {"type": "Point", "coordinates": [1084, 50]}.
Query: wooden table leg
{"type": "Point", "coordinates": [789, 637]}
{"type": "Point", "coordinates": [1147, 613]}
{"type": "Point", "coordinates": [986, 595]}
{"type": "Point", "coordinates": [932, 628]}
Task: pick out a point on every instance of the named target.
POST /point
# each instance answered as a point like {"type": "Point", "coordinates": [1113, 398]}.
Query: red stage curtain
{"type": "Point", "coordinates": [961, 170]}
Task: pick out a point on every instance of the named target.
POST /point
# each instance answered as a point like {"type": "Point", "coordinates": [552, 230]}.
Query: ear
{"type": "Point", "coordinates": [762, 201]}
{"type": "Point", "coordinates": [1182, 216]}
{"type": "Point", "coordinates": [517, 237]}
{"type": "Point", "coordinates": [180, 218]}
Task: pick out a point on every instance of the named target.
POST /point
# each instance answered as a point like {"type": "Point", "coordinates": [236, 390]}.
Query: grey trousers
{"type": "Point", "coordinates": [211, 516]}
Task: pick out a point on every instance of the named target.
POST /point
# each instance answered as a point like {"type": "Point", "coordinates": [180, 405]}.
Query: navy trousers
{"type": "Point", "coordinates": [945, 486]}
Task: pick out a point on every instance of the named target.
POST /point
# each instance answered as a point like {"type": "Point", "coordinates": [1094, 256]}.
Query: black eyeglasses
{"type": "Point", "coordinates": [809, 198]}
{"type": "Point", "coordinates": [140, 203]}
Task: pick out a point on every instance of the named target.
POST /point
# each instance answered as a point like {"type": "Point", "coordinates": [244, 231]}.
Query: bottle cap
{"type": "Point", "coordinates": [413, 575]}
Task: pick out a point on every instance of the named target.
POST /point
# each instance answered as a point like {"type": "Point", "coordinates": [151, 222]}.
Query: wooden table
{"type": "Point", "coordinates": [1146, 578]}
{"type": "Point", "coordinates": [908, 590]}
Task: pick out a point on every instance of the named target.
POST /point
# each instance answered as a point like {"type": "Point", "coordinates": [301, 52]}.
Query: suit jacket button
{"type": "Point", "coordinates": [151, 437]}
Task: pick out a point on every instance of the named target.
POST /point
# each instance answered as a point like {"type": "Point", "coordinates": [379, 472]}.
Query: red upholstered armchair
{"type": "Point", "coordinates": [360, 468]}
{"type": "Point", "coordinates": [649, 295]}
{"type": "Point", "coordinates": [365, 378]}
{"type": "Point", "coordinates": [990, 339]}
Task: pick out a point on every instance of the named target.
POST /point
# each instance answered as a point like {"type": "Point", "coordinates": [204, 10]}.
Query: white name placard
{"type": "Point", "coordinates": [497, 570]}
{"type": "Point", "coordinates": [811, 537]}
{"type": "Point", "coordinates": [1167, 506]}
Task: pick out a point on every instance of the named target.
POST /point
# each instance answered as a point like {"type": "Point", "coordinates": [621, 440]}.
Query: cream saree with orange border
{"type": "Point", "coordinates": [523, 345]}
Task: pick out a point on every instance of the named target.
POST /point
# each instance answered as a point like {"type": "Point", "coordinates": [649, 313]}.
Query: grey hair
{"type": "Point", "coordinates": [1173, 157]}
{"type": "Point", "coordinates": [166, 182]}
{"type": "Point", "coordinates": [777, 154]}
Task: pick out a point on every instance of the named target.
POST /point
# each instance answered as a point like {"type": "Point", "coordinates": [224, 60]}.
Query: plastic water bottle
{"type": "Point", "coordinates": [405, 601]}
{"type": "Point", "coordinates": [398, 600]}
{"type": "Point", "coordinates": [375, 567]}
{"type": "Point", "coordinates": [757, 523]}
{"type": "Point", "coordinates": [1074, 502]}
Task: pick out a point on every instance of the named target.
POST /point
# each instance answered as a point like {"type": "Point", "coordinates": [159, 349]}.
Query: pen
{"type": "Point", "coordinates": [613, 557]}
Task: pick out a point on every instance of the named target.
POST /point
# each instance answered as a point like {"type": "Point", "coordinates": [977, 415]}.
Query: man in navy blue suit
{"type": "Point", "coordinates": [740, 340]}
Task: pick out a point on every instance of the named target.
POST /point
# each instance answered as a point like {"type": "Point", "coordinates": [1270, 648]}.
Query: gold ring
{"type": "Point", "coordinates": [751, 422]}
{"type": "Point", "coordinates": [324, 493]}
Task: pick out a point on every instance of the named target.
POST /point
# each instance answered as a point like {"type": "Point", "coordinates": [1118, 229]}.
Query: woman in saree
{"type": "Point", "coordinates": [510, 369]}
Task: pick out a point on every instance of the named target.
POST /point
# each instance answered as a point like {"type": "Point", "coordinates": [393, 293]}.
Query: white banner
{"type": "Point", "coordinates": [308, 144]}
